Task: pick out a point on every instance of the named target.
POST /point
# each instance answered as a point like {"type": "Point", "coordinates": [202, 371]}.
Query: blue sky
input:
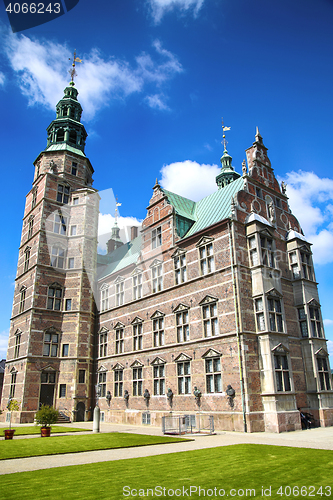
{"type": "Point", "coordinates": [156, 78]}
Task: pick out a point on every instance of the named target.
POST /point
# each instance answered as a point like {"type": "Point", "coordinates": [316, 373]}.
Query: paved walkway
{"type": "Point", "coordinates": [321, 438]}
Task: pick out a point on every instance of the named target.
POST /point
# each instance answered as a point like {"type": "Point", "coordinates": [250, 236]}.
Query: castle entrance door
{"type": "Point", "coordinates": [80, 411]}
{"type": "Point", "coordinates": [47, 386]}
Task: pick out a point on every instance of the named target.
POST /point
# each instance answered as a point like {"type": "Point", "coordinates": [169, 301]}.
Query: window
{"type": "Point", "coordinates": [62, 390]}
{"type": "Point", "coordinates": [57, 256]}
{"type": "Point", "coordinates": [102, 383]}
{"type": "Point", "coordinates": [182, 325]}
{"type": "Point", "coordinates": [22, 298]}
{"type": "Point", "coordinates": [213, 375]}
{"type": "Point", "coordinates": [294, 265]}
{"type": "Point", "coordinates": [282, 372]}
{"type": "Point", "coordinates": [137, 381]}
{"type": "Point", "coordinates": [156, 237]}
{"type": "Point", "coordinates": [60, 224]}
{"type": "Point", "coordinates": [180, 269]}
{"type": "Point", "coordinates": [137, 286]}
{"type": "Point", "coordinates": [68, 305]}
{"type": "Point", "coordinates": [206, 259]}
{"type": "Point", "coordinates": [307, 271]}
{"type": "Point", "coordinates": [75, 201]}
{"type": "Point", "coordinates": [54, 297]}
{"type": "Point", "coordinates": [157, 278]}
{"type": "Point", "coordinates": [315, 322]}
{"type": "Point", "coordinates": [51, 343]}
{"type": "Point", "coordinates": [17, 344]}
{"type": "Point", "coordinates": [71, 263]}
{"type": "Point", "coordinates": [137, 336]}
{"type": "Point", "coordinates": [63, 194]}
{"type": "Point", "coordinates": [159, 380]}
{"type": "Point", "coordinates": [60, 135]}
{"type": "Point", "coordinates": [26, 259]}
{"type": "Point", "coordinates": [258, 192]}
{"type": "Point", "coordinates": [259, 307]}
{"type": "Point", "coordinates": [158, 331]}
{"type": "Point", "coordinates": [278, 202]}
{"type": "Point", "coordinates": [324, 375]}
{"type": "Point", "coordinates": [48, 377]}
{"type": "Point", "coordinates": [119, 340]}
{"type": "Point", "coordinates": [267, 253]}
{"type": "Point", "coordinates": [303, 322]}
{"type": "Point", "coordinates": [73, 230]}
{"type": "Point", "coordinates": [103, 343]}
{"type": "Point", "coordinates": [275, 315]}
{"type": "Point", "coordinates": [12, 384]}
{"type": "Point", "coordinates": [82, 376]}
{"type": "Point", "coordinates": [120, 293]}
{"type": "Point", "coordinates": [34, 198]}
{"type": "Point", "coordinates": [105, 299]}
{"type": "Point", "coordinates": [210, 322]}
{"type": "Point", "coordinates": [31, 227]}
{"type": "Point", "coordinates": [74, 168]}
{"type": "Point", "coordinates": [184, 377]}
{"type": "Point", "coordinates": [118, 383]}
{"type": "Point", "coordinates": [253, 251]}
{"type": "Point", "coordinates": [65, 350]}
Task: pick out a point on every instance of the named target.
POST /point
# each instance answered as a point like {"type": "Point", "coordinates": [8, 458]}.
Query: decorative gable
{"type": "Point", "coordinates": [313, 302]}
{"type": "Point", "coordinates": [118, 325]}
{"type": "Point", "coordinates": [266, 233]}
{"type": "Point", "coordinates": [136, 271]}
{"type": "Point", "coordinates": [103, 330]}
{"type": "Point", "coordinates": [158, 361]}
{"type": "Point", "coordinates": [273, 292]}
{"type": "Point", "coordinates": [119, 279]}
{"type": "Point", "coordinates": [305, 248]}
{"type": "Point", "coordinates": [181, 307]}
{"type": "Point", "coordinates": [105, 286]}
{"type": "Point", "coordinates": [101, 369]}
{"type": "Point", "coordinates": [280, 348]}
{"type": "Point", "coordinates": [182, 357]}
{"type": "Point", "coordinates": [137, 364]}
{"type": "Point", "coordinates": [204, 241]}
{"type": "Point", "coordinates": [178, 252]}
{"type": "Point", "coordinates": [208, 300]}
{"type": "Point", "coordinates": [157, 314]}
{"type": "Point", "coordinates": [321, 352]}
{"type": "Point", "coordinates": [136, 320]}
{"type": "Point", "coordinates": [211, 353]}
{"type": "Point", "coordinates": [48, 369]}
{"type": "Point", "coordinates": [118, 366]}
{"type": "Point", "coordinates": [156, 262]}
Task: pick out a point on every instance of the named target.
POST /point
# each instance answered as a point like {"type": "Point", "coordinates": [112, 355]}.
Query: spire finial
{"type": "Point", "coordinates": [72, 72]}
{"type": "Point", "coordinates": [258, 136]}
{"type": "Point", "coordinates": [224, 142]}
{"type": "Point", "coordinates": [116, 211]}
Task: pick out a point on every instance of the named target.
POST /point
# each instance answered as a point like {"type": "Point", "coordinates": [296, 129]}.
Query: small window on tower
{"type": "Point", "coordinates": [74, 168]}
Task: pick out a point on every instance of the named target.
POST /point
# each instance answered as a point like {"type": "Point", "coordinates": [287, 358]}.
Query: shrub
{"type": "Point", "coordinates": [46, 416]}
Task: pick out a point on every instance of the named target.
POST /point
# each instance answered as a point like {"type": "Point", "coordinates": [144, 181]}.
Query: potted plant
{"type": "Point", "coordinates": [46, 416]}
{"type": "Point", "coordinates": [13, 405]}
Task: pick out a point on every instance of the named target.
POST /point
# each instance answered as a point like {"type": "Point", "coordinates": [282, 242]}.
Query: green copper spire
{"type": "Point", "coordinates": [227, 173]}
{"type": "Point", "coordinates": [66, 131]}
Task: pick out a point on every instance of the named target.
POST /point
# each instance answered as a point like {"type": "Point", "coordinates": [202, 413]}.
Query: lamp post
{"type": "Point", "coordinates": [97, 411]}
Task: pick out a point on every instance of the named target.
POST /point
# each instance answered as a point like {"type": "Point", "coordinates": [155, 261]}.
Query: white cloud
{"type": "Point", "coordinates": [2, 78]}
{"type": "Point", "coordinates": [311, 199]}
{"type": "Point", "coordinates": [42, 70]}
{"type": "Point", "coordinates": [330, 347]}
{"type": "Point", "coordinates": [190, 179]}
{"type": "Point", "coordinates": [3, 343]}
{"type": "Point", "coordinates": [156, 102]}
{"type": "Point", "coordinates": [160, 7]}
{"type": "Point", "coordinates": [328, 322]}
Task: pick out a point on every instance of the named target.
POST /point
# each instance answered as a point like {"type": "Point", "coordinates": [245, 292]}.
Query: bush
{"type": "Point", "coordinates": [46, 416]}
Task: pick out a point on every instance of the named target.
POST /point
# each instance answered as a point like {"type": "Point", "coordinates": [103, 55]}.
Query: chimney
{"type": "Point", "coordinates": [134, 232]}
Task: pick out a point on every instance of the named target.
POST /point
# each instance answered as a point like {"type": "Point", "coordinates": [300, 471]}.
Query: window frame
{"type": "Point", "coordinates": [54, 302]}
{"type": "Point", "coordinates": [137, 381]}
{"type": "Point", "coordinates": [51, 344]}
{"type": "Point", "coordinates": [103, 343]}
{"type": "Point", "coordinates": [157, 277]}
{"type": "Point", "coordinates": [137, 330]}
{"type": "Point", "coordinates": [158, 330]}
{"type": "Point", "coordinates": [137, 285]}
{"type": "Point", "coordinates": [206, 258]}
{"type": "Point", "coordinates": [184, 377]}
{"type": "Point", "coordinates": [210, 319]}
{"type": "Point", "coordinates": [324, 373]}
{"type": "Point", "coordinates": [282, 372]}
{"type": "Point", "coordinates": [63, 194]}
{"type": "Point", "coordinates": [180, 269]}
{"type": "Point", "coordinates": [156, 237]}
{"type": "Point", "coordinates": [119, 339]}
{"type": "Point", "coordinates": [182, 325]}
{"type": "Point", "coordinates": [118, 382]}
{"type": "Point", "coordinates": [159, 379]}
{"type": "Point", "coordinates": [213, 376]}
{"type": "Point", "coordinates": [120, 293]}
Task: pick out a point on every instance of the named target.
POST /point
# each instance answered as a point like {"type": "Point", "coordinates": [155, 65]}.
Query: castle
{"type": "Point", "coordinates": [211, 308]}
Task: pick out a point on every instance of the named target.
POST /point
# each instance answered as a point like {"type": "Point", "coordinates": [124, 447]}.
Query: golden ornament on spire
{"type": "Point", "coordinates": [72, 72]}
{"type": "Point", "coordinates": [224, 142]}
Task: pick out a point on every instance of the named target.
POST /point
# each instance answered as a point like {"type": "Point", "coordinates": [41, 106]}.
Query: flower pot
{"type": "Point", "coordinates": [45, 431]}
{"type": "Point", "coordinates": [9, 433]}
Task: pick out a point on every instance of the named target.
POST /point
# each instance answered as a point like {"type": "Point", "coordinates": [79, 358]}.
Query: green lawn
{"type": "Point", "coordinates": [34, 429]}
{"type": "Point", "coordinates": [239, 467]}
{"type": "Point", "coordinates": [20, 448]}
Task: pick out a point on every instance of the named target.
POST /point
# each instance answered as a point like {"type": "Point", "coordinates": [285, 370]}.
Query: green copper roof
{"type": "Point", "coordinates": [122, 257]}
{"type": "Point", "coordinates": [183, 206]}
{"type": "Point", "coordinates": [62, 146]}
{"type": "Point", "coordinates": [215, 207]}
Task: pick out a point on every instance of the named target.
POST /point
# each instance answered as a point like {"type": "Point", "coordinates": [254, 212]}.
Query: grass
{"type": "Point", "coordinates": [34, 429]}
{"type": "Point", "coordinates": [55, 445]}
{"type": "Point", "coordinates": [241, 467]}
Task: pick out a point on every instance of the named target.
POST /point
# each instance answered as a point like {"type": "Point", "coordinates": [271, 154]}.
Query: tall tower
{"type": "Point", "coordinates": [51, 342]}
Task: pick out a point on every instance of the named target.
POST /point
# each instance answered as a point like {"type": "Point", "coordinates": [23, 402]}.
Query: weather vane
{"type": "Point", "coordinates": [72, 71]}
{"type": "Point", "coordinates": [224, 142]}
{"type": "Point", "coordinates": [116, 210]}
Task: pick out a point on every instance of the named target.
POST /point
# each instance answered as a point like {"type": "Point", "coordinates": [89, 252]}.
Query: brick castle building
{"type": "Point", "coordinates": [211, 307]}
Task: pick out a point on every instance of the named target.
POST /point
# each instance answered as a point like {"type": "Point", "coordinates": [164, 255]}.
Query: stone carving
{"type": "Point", "coordinates": [197, 395]}
{"type": "Point", "coordinates": [170, 397]}
{"type": "Point", "coordinates": [146, 396]}
{"type": "Point", "coordinates": [230, 395]}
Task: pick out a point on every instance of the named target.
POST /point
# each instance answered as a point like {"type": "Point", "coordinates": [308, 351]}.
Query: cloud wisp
{"type": "Point", "coordinates": [42, 73]}
{"type": "Point", "coordinates": [160, 7]}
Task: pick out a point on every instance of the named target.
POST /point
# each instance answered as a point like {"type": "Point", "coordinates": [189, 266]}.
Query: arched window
{"type": "Point", "coordinates": [72, 137]}
{"type": "Point", "coordinates": [60, 135]}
